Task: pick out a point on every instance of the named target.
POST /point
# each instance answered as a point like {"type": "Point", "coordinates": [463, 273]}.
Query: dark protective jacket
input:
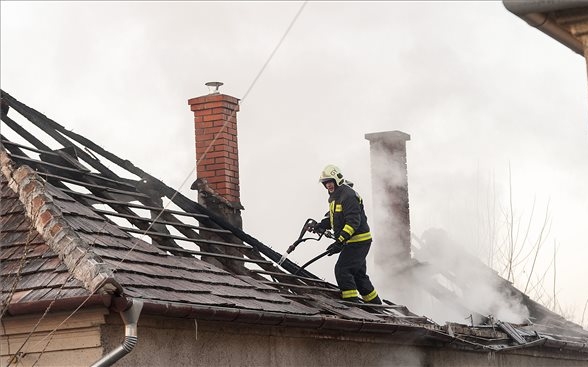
{"type": "Point", "coordinates": [347, 217]}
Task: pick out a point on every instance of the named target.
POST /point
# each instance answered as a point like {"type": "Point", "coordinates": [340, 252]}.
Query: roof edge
{"type": "Point", "coordinates": [420, 334]}
{"type": "Point", "coordinates": [519, 7]}
{"type": "Point", "coordinates": [268, 318]}
{"type": "Point", "coordinates": [59, 304]}
{"type": "Point", "coordinates": [48, 220]}
{"type": "Point", "coordinates": [535, 14]}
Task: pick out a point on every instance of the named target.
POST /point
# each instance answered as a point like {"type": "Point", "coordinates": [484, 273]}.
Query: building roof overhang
{"type": "Point", "coordinates": [557, 19]}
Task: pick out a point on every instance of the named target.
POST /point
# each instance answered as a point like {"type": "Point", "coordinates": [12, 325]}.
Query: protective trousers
{"type": "Point", "coordinates": [350, 272]}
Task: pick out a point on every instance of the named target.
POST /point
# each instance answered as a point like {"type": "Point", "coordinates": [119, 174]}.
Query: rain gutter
{"type": "Point", "coordinates": [424, 335]}
{"type": "Point", "coordinates": [66, 304]}
{"type": "Point", "coordinates": [211, 313]}
{"type": "Point", "coordinates": [536, 14]}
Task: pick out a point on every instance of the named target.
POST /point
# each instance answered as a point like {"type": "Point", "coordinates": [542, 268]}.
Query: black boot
{"type": "Point", "coordinates": [376, 301]}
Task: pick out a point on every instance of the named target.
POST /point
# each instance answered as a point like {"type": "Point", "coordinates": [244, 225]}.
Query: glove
{"type": "Point", "coordinates": [319, 230]}
{"type": "Point", "coordinates": [334, 248]}
{"type": "Point", "coordinates": [316, 228]}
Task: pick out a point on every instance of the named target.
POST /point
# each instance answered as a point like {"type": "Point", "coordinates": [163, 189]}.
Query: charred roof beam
{"type": "Point", "coordinates": [216, 255]}
{"type": "Point", "coordinates": [24, 133]}
{"type": "Point", "coordinates": [54, 130]}
{"type": "Point", "coordinates": [197, 240]}
{"type": "Point", "coordinates": [175, 224]}
{"type": "Point", "coordinates": [71, 172]}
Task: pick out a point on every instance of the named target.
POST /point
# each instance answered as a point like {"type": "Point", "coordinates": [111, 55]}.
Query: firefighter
{"type": "Point", "coordinates": [347, 219]}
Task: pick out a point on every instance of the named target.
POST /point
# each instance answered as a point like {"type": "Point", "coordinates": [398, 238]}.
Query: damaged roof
{"type": "Point", "coordinates": [83, 226]}
{"type": "Point", "coordinates": [115, 236]}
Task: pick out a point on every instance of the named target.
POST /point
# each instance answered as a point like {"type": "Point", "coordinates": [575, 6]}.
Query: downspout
{"type": "Point", "coordinates": [130, 317]}
{"type": "Point", "coordinates": [535, 13]}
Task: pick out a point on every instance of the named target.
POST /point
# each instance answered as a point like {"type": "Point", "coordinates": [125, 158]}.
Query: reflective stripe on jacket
{"type": "Point", "coordinates": [347, 216]}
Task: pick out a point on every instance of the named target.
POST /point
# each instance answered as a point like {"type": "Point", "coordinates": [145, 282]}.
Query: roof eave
{"type": "Point", "coordinates": [59, 304]}
{"type": "Point", "coordinates": [419, 334]}
{"type": "Point", "coordinates": [322, 322]}
{"type": "Point", "coordinates": [535, 13]}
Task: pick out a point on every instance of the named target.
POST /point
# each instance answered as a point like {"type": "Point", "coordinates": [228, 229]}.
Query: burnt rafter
{"type": "Point", "coordinates": [157, 230]}
{"type": "Point", "coordinates": [66, 157]}
{"type": "Point", "coordinates": [69, 167]}
{"type": "Point", "coordinates": [215, 254]}
{"type": "Point", "coordinates": [175, 223]}
{"type": "Point", "coordinates": [55, 130]}
{"type": "Point", "coordinates": [24, 133]}
{"type": "Point", "coordinates": [14, 148]}
{"type": "Point", "coordinates": [12, 145]}
{"type": "Point", "coordinates": [144, 227]}
{"type": "Point", "coordinates": [199, 241]}
{"type": "Point", "coordinates": [69, 172]}
{"type": "Point", "coordinates": [156, 188]}
{"type": "Point", "coordinates": [131, 194]}
{"type": "Point", "coordinates": [81, 177]}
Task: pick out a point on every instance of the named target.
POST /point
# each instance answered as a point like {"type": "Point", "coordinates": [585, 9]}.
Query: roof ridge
{"type": "Point", "coordinates": [49, 221]}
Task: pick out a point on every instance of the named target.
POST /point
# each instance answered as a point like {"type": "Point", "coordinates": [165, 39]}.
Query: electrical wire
{"type": "Point", "coordinates": [224, 126]}
{"type": "Point", "coordinates": [253, 83]}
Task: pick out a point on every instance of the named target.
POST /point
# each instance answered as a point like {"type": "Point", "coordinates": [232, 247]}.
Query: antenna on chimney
{"type": "Point", "coordinates": [213, 87]}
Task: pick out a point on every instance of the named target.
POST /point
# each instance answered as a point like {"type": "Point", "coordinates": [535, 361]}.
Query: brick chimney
{"type": "Point", "coordinates": [217, 154]}
{"type": "Point", "coordinates": [217, 169]}
{"type": "Point", "coordinates": [390, 197]}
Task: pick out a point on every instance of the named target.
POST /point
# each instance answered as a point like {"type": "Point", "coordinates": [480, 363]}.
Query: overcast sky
{"type": "Point", "coordinates": [476, 88]}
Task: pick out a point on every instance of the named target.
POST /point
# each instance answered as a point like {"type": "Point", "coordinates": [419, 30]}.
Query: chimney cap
{"type": "Point", "coordinates": [388, 136]}
{"type": "Point", "coordinates": [213, 87]}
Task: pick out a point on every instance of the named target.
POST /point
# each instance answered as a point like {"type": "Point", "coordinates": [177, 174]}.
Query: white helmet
{"type": "Point", "coordinates": [332, 172]}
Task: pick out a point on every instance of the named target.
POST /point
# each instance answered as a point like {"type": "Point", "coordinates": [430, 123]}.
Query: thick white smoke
{"type": "Point", "coordinates": [438, 278]}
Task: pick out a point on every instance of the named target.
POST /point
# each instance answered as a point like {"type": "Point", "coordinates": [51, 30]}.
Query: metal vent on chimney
{"type": "Point", "coordinates": [213, 87]}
